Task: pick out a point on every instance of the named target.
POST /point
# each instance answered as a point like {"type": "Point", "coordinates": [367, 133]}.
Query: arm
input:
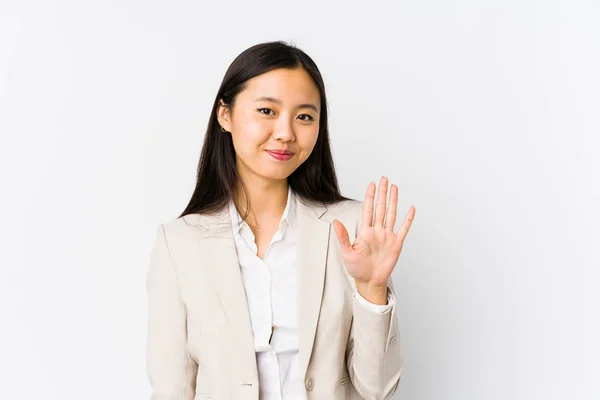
{"type": "Point", "coordinates": [373, 353]}
{"type": "Point", "coordinates": [171, 370]}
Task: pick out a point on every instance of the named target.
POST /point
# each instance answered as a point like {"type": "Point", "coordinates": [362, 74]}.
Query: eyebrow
{"type": "Point", "coordinates": [277, 101]}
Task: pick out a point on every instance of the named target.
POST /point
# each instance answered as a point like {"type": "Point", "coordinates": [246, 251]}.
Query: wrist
{"type": "Point", "coordinates": [373, 293]}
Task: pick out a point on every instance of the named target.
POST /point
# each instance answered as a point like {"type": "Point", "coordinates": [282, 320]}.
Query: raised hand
{"type": "Point", "coordinates": [372, 257]}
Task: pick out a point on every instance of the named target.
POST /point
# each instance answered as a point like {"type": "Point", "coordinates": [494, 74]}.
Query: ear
{"type": "Point", "coordinates": [224, 115]}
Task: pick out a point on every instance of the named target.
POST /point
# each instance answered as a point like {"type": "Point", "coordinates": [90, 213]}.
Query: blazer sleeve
{"type": "Point", "coordinates": [171, 370]}
{"type": "Point", "coordinates": [374, 354]}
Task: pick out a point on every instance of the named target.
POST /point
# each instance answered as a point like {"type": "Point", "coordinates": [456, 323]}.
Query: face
{"type": "Point", "coordinates": [277, 112]}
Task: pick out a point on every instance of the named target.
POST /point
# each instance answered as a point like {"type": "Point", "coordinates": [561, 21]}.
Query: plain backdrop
{"type": "Point", "coordinates": [484, 113]}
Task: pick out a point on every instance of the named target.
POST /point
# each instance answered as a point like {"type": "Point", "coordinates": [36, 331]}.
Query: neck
{"type": "Point", "coordinates": [267, 198]}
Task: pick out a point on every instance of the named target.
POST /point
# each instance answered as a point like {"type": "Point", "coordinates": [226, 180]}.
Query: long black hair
{"type": "Point", "coordinates": [314, 181]}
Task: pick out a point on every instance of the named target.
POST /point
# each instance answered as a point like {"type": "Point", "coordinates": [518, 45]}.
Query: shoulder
{"type": "Point", "coordinates": [348, 212]}
{"type": "Point", "coordinates": [182, 227]}
{"type": "Point", "coordinates": [194, 226]}
{"type": "Point", "coordinates": [198, 221]}
{"type": "Point", "coordinates": [176, 224]}
{"type": "Point", "coordinates": [344, 209]}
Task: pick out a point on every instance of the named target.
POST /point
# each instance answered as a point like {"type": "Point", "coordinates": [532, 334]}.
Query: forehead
{"type": "Point", "coordinates": [292, 86]}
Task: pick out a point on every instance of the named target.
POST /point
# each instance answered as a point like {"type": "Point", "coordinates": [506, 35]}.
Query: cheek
{"type": "Point", "coordinates": [248, 138]}
{"type": "Point", "coordinates": [251, 130]}
{"type": "Point", "coordinates": [307, 142]}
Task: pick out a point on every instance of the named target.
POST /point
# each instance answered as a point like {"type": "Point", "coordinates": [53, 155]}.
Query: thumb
{"type": "Point", "coordinates": [342, 235]}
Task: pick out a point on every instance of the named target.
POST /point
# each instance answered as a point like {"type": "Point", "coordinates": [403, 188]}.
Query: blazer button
{"type": "Point", "coordinates": [309, 384]}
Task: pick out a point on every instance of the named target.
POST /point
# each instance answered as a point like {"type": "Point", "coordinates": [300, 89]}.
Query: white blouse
{"type": "Point", "coordinates": [271, 293]}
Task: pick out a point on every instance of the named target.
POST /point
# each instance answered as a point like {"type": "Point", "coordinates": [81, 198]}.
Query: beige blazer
{"type": "Point", "coordinates": [200, 343]}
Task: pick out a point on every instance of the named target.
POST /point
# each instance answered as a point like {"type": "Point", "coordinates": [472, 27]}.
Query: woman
{"type": "Point", "coordinates": [250, 297]}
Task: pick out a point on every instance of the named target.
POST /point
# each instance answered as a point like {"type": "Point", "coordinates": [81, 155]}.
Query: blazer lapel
{"type": "Point", "coordinates": [217, 246]}
{"type": "Point", "coordinates": [311, 249]}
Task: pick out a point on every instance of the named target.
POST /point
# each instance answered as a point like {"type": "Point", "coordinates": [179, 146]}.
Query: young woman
{"type": "Point", "coordinates": [251, 292]}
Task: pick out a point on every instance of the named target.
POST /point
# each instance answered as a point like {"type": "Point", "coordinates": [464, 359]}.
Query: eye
{"type": "Point", "coordinates": [309, 117]}
{"type": "Point", "coordinates": [260, 110]}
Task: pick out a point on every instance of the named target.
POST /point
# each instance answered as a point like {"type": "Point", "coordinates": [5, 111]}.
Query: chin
{"type": "Point", "coordinates": [279, 174]}
{"type": "Point", "coordinates": [278, 177]}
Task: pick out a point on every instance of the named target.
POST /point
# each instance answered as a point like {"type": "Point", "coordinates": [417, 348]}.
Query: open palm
{"type": "Point", "coordinates": [375, 252]}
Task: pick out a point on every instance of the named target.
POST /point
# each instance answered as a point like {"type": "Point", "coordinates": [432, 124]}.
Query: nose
{"type": "Point", "coordinates": [284, 131]}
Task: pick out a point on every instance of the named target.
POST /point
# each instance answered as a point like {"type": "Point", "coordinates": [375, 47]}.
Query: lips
{"type": "Point", "coordinates": [283, 152]}
{"type": "Point", "coordinates": [280, 155]}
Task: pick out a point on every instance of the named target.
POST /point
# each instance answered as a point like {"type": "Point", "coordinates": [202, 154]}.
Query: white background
{"type": "Point", "coordinates": [484, 113]}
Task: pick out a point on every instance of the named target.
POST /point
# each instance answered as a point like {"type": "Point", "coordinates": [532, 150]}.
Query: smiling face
{"type": "Point", "coordinates": [277, 112]}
